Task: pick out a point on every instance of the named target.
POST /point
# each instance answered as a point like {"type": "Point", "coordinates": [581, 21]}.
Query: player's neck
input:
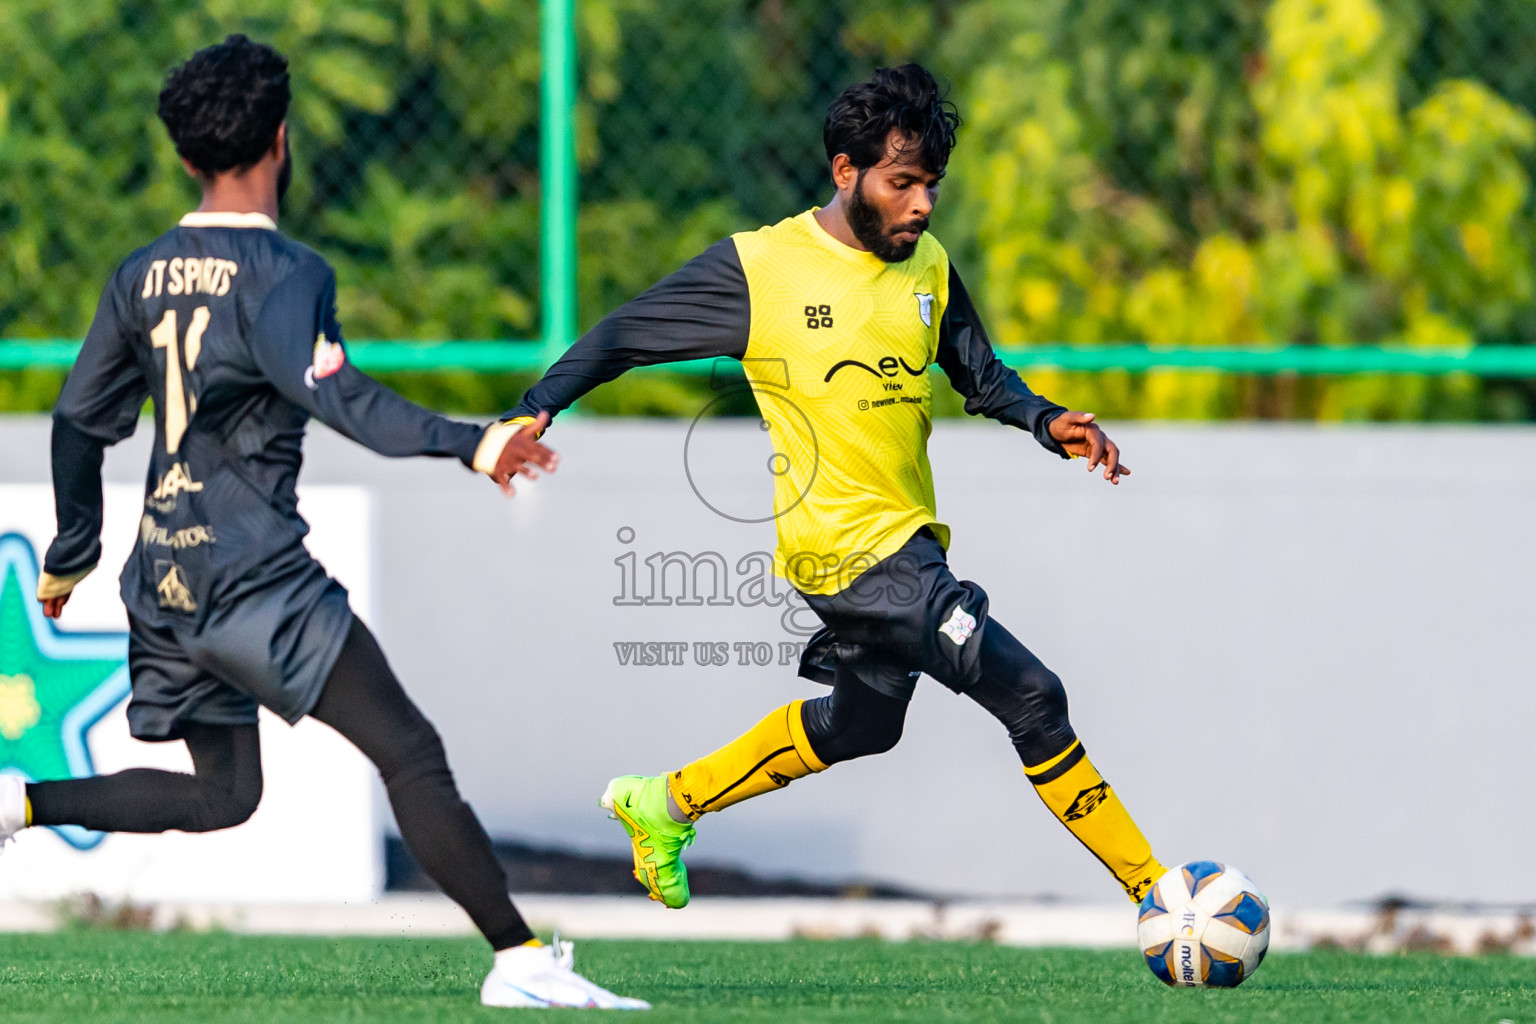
{"type": "Point", "coordinates": [833, 219]}
{"type": "Point", "coordinates": [240, 193]}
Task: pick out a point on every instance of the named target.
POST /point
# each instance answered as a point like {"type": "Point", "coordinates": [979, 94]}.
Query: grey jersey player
{"type": "Point", "coordinates": [230, 329]}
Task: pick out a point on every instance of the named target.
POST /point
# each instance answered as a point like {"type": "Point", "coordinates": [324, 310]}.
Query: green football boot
{"type": "Point", "coordinates": [639, 802]}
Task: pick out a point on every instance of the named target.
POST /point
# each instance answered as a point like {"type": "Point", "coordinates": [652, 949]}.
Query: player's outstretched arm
{"type": "Point", "coordinates": [297, 345]}
{"type": "Point", "coordinates": [702, 311]}
{"type": "Point", "coordinates": [990, 388]}
{"type": "Point", "coordinates": [98, 407]}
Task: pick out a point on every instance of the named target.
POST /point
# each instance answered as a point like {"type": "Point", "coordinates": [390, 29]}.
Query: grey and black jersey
{"type": "Point", "coordinates": [230, 329]}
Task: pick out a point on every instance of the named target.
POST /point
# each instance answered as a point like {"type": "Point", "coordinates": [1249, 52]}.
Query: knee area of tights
{"type": "Point", "coordinates": [879, 737]}
{"type": "Point", "coordinates": [415, 750]}
{"type": "Point", "coordinates": [426, 764]}
{"type": "Point", "coordinates": [228, 811]}
{"type": "Point", "coordinates": [1044, 720]}
{"type": "Point", "coordinates": [1041, 684]}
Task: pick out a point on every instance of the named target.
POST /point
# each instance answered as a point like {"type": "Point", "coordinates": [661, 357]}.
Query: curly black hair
{"type": "Point", "coordinates": [223, 107]}
{"type": "Point", "coordinates": [908, 99]}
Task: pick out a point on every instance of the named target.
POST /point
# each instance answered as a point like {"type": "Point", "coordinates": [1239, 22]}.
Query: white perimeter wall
{"type": "Point", "coordinates": [1305, 651]}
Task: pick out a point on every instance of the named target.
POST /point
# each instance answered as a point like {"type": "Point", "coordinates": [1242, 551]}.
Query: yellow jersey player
{"type": "Point", "coordinates": [837, 315]}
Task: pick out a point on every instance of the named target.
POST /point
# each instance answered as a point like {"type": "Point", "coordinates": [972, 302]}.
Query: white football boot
{"type": "Point", "coordinates": [541, 977]}
{"type": "Point", "coordinates": [13, 806]}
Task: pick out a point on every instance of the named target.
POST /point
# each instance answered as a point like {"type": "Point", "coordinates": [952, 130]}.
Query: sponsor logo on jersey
{"type": "Point", "coordinates": [959, 626]}
{"type": "Point", "coordinates": [925, 307]}
{"type": "Point", "coordinates": [54, 684]}
{"type": "Point", "coordinates": [190, 537]}
{"type": "Point", "coordinates": [177, 480]}
{"type": "Point", "coordinates": [889, 366]}
{"type": "Point", "coordinates": [173, 590]}
{"type": "Point", "coordinates": [329, 357]}
{"type": "Point", "coordinates": [1087, 802]}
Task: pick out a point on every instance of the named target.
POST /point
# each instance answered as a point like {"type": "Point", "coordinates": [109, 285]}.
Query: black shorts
{"type": "Point", "coordinates": [905, 615]}
{"type": "Point", "coordinates": [274, 647]}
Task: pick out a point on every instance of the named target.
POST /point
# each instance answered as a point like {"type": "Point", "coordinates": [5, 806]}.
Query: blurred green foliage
{"type": "Point", "coordinates": [1238, 173]}
{"type": "Point", "coordinates": [1226, 172]}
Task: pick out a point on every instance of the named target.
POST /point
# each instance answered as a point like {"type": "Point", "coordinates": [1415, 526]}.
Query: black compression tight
{"type": "Point", "coordinates": [1019, 691]}
{"type": "Point", "coordinates": [856, 720]}
{"type": "Point", "coordinates": [1024, 695]}
{"type": "Point", "coordinates": [364, 702]}
{"type": "Point", "coordinates": [222, 791]}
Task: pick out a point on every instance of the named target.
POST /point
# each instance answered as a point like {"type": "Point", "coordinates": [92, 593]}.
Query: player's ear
{"type": "Point", "coordinates": [278, 142]}
{"type": "Point", "coordinates": [843, 172]}
{"type": "Point", "coordinates": [192, 172]}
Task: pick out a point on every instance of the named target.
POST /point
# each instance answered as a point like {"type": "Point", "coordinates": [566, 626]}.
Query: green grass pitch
{"type": "Point", "coordinates": [105, 977]}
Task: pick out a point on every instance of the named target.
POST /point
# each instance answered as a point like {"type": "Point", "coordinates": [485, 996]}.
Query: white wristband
{"type": "Point", "coordinates": [50, 586]}
{"type": "Point", "coordinates": [494, 440]}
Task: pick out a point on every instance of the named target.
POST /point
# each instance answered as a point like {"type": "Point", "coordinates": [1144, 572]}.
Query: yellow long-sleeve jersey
{"type": "Point", "coordinates": [836, 344]}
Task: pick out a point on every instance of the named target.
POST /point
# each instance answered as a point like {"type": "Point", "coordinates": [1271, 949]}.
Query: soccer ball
{"type": "Point", "coordinates": [1204, 924]}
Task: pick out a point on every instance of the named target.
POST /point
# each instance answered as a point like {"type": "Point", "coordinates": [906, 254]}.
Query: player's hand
{"type": "Point", "coordinates": [522, 453]}
{"type": "Point", "coordinates": [53, 607]}
{"type": "Point", "coordinates": [1081, 436]}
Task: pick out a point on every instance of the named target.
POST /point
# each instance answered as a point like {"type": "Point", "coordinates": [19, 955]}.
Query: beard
{"type": "Point", "coordinates": [872, 231]}
{"type": "Point", "coordinates": [285, 174]}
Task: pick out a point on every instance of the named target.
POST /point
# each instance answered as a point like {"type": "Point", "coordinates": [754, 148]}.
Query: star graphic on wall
{"type": "Point", "coordinates": [54, 685]}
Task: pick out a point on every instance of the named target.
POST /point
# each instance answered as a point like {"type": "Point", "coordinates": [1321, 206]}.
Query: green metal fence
{"type": "Point", "coordinates": [1309, 187]}
{"type": "Point", "coordinates": [490, 356]}
{"type": "Point", "coordinates": [559, 204]}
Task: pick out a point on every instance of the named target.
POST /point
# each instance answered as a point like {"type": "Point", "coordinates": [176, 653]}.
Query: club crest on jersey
{"type": "Point", "coordinates": [329, 357]}
{"type": "Point", "coordinates": [959, 626]}
{"type": "Point", "coordinates": [925, 307]}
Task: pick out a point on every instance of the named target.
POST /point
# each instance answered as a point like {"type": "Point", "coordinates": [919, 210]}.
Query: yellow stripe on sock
{"type": "Point", "coordinates": [1045, 766]}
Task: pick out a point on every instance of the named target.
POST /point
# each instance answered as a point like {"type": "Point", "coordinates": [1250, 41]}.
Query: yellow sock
{"type": "Point", "coordinates": [29, 811]}
{"type": "Point", "coordinates": [1080, 798]}
{"type": "Point", "coordinates": [770, 755]}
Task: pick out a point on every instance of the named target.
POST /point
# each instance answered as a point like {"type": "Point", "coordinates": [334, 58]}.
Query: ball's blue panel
{"type": "Point", "coordinates": [1157, 960]}
{"type": "Point", "coordinates": [1245, 911]}
{"type": "Point", "coordinates": [1200, 873]}
{"type": "Point", "coordinates": [1151, 905]}
{"type": "Point", "coordinates": [1221, 970]}
{"type": "Point", "coordinates": [1262, 954]}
